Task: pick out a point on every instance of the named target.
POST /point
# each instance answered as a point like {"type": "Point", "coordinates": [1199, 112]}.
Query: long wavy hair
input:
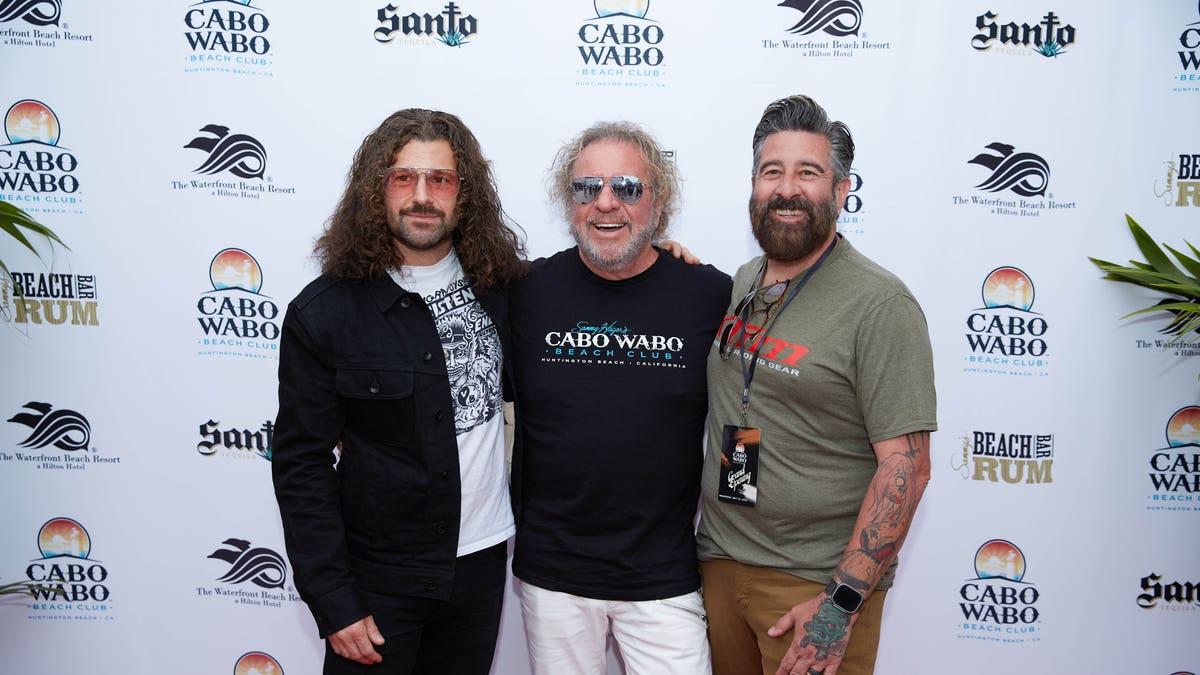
{"type": "Point", "coordinates": [358, 245]}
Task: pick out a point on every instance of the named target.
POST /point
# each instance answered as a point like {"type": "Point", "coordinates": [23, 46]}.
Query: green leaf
{"type": "Point", "coordinates": [1192, 265]}
{"type": "Point", "coordinates": [1154, 254]}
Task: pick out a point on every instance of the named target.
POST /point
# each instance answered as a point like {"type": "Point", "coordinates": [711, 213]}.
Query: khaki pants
{"type": "Point", "coordinates": [743, 601]}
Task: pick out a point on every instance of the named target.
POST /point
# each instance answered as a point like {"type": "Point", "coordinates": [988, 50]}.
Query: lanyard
{"type": "Point", "coordinates": [748, 375]}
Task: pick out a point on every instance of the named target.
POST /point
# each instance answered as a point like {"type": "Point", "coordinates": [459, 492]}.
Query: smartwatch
{"type": "Point", "coordinates": [845, 598]}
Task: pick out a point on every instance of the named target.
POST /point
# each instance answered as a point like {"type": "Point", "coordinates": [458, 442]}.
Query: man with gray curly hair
{"type": "Point", "coordinates": [609, 340]}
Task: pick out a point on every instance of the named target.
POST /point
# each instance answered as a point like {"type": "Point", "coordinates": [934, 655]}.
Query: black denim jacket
{"type": "Point", "coordinates": [361, 363]}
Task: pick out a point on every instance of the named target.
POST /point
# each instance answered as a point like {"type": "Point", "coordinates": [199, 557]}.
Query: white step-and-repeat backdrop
{"type": "Point", "coordinates": [189, 153]}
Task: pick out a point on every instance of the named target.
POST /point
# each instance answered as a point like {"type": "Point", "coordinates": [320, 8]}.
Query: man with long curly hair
{"type": "Point", "coordinates": [393, 355]}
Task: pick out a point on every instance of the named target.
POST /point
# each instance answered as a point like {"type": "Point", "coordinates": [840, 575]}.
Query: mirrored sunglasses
{"type": "Point", "coordinates": [585, 189]}
{"type": "Point", "coordinates": [401, 180]}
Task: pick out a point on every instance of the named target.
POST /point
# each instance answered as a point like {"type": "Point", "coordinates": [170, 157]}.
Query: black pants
{"type": "Point", "coordinates": [434, 637]}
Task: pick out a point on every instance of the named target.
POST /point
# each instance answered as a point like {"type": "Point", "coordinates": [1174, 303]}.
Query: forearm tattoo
{"type": "Point", "coordinates": [891, 502]}
{"type": "Point", "coordinates": [826, 631]}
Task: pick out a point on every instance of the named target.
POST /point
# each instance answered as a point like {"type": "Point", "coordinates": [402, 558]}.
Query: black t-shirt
{"type": "Point", "coordinates": [611, 400]}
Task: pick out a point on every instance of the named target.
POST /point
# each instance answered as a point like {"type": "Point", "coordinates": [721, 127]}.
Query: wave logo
{"type": "Point", "coordinates": [838, 18]}
{"type": "Point", "coordinates": [239, 154]}
{"type": "Point", "coordinates": [257, 663]}
{"type": "Point", "coordinates": [260, 566]}
{"type": "Point", "coordinates": [64, 429]}
{"type": "Point", "coordinates": [1024, 173]}
{"type": "Point", "coordinates": [998, 604]}
{"type": "Point", "coordinates": [36, 12]}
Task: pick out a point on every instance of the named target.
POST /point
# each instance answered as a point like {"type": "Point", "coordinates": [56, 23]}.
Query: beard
{"type": "Point", "coordinates": [424, 237]}
{"type": "Point", "coordinates": [612, 257]}
{"type": "Point", "coordinates": [786, 242]}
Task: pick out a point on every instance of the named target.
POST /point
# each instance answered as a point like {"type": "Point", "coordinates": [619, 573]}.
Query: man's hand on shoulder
{"type": "Point", "coordinates": [357, 641]}
{"type": "Point", "coordinates": [678, 250]}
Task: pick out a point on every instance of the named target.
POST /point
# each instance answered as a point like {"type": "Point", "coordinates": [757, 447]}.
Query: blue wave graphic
{"type": "Point", "coordinates": [36, 12]}
{"type": "Point", "coordinates": [835, 17]}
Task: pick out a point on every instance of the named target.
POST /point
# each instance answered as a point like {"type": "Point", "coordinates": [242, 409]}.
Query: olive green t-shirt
{"type": "Point", "coordinates": [847, 363]}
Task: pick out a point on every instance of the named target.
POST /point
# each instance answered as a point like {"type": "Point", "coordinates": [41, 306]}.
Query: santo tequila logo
{"type": "Point", "coordinates": [1048, 38]}
{"type": "Point", "coordinates": [234, 317]}
{"type": "Point", "coordinates": [236, 443]}
{"type": "Point", "coordinates": [451, 27]}
{"type": "Point", "coordinates": [36, 173]}
{"type": "Point", "coordinates": [999, 604]}
{"type": "Point", "coordinates": [1171, 596]}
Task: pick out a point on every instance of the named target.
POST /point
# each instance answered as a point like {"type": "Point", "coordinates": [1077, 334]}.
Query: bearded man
{"type": "Point", "coordinates": [821, 402]}
{"type": "Point", "coordinates": [393, 355]}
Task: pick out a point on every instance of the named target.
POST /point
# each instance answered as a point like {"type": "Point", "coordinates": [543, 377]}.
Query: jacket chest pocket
{"type": "Point", "coordinates": [379, 403]}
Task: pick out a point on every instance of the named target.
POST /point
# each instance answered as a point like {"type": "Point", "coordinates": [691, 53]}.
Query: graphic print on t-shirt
{"type": "Point", "coordinates": [472, 351]}
{"type": "Point", "coordinates": [612, 343]}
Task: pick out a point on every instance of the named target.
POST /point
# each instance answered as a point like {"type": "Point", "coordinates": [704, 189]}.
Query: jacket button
{"type": "Point", "coordinates": [437, 416]}
{"type": "Point", "coordinates": [427, 356]}
{"type": "Point", "coordinates": [445, 475]}
{"type": "Point", "coordinates": [431, 586]}
{"type": "Point", "coordinates": [405, 303]}
{"type": "Point", "coordinates": [374, 388]}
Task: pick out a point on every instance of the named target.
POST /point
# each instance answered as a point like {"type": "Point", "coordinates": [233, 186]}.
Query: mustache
{"type": "Point", "coordinates": [423, 210]}
{"type": "Point", "coordinates": [797, 203]}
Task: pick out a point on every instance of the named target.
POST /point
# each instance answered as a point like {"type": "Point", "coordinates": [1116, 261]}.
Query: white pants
{"type": "Point", "coordinates": [567, 634]}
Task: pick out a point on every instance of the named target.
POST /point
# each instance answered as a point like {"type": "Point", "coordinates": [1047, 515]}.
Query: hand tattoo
{"type": "Point", "coordinates": [826, 631]}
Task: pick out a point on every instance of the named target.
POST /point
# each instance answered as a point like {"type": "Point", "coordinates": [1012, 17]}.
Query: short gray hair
{"type": "Point", "coordinates": [801, 113]}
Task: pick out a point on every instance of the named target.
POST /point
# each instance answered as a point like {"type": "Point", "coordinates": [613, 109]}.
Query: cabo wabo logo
{"type": "Point", "coordinates": [620, 47]}
{"type": "Point", "coordinates": [999, 605]}
{"type": "Point", "coordinates": [236, 443]}
{"type": "Point", "coordinates": [1182, 184]}
{"type": "Point", "coordinates": [613, 344]}
{"type": "Point", "coordinates": [237, 320]}
{"type": "Point", "coordinates": [40, 14]}
{"type": "Point", "coordinates": [1189, 59]}
{"type": "Point", "coordinates": [1048, 38]}
{"type": "Point", "coordinates": [257, 663]}
{"type": "Point", "coordinates": [35, 173]}
{"type": "Point", "coordinates": [66, 582]}
{"type": "Point", "coordinates": [1024, 174]}
{"type": "Point", "coordinates": [996, 456]}
{"type": "Point", "coordinates": [55, 299]}
{"type": "Point", "coordinates": [227, 36]}
{"type": "Point", "coordinates": [853, 218]}
{"type": "Point", "coordinates": [835, 27]}
{"type": "Point", "coordinates": [1174, 471]}
{"type": "Point", "coordinates": [451, 27]}
{"type": "Point", "coordinates": [1004, 337]}
{"type": "Point", "coordinates": [1172, 596]}
{"type": "Point", "coordinates": [239, 155]}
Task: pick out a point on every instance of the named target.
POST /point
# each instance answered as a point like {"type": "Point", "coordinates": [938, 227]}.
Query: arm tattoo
{"type": "Point", "coordinates": [826, 631]}
{"type": "Point", "coordinates": [891, 503]}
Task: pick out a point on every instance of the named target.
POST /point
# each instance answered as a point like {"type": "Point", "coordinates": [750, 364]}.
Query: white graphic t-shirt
{"type": "Point", "coordinates": [473, 356]}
